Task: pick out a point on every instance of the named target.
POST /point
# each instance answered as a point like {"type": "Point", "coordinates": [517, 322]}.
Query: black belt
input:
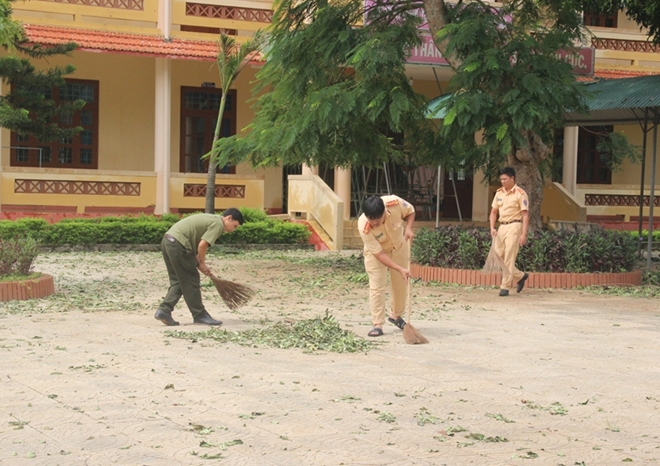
{"type": "Point", "coordinates": [501, 223]}
{"type": "Point", "coordinates": [170, 238]}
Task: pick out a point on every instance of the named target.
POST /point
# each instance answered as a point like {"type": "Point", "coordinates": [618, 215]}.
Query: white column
{"type": "Point", "coordinates": [343, 189]}
{"type": "Point", "coordinates": [165, 17]}
{"type": "Point", "coordinates": [162, 145]}
{"type": "Point", "coordinates": [569, 171]}
{"type": "Point", "coordinates": [307, 170]}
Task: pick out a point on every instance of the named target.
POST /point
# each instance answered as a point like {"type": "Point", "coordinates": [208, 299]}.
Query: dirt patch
{"type": "Point", "coordinates": [90, 377]}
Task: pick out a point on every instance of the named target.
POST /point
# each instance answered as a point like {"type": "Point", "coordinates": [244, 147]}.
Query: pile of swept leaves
{"type": "Point", "coordinates": [317, 334]}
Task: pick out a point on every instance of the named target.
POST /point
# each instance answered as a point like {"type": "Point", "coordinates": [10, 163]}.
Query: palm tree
{"type": "Point", "coordinates": [231, 61]}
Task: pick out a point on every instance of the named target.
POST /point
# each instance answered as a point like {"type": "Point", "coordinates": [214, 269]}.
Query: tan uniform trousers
{"type": "Point", "coordinates": [507, 243]}
{"type": "Point", "coordinates": [378, 283]}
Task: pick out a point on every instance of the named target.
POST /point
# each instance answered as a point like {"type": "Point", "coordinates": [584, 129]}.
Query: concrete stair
{"type": "Point", "coordinates": [352, 238]}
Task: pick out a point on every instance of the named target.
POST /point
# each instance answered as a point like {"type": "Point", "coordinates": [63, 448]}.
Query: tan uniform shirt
{"type": "Point", "coordinates": [389, 235]}
{"type": "Point", "coordinates": [511, 204]}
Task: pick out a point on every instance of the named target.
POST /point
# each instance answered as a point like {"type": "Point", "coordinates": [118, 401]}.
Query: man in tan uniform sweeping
{"type": "Point", "coordinates": [384, 227]}
{"type": "Point", "coordinates": [512, 205]}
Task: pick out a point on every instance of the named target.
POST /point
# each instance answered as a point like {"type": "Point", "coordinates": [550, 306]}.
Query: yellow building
{"type": "Point", "coordinates": [147, 70]}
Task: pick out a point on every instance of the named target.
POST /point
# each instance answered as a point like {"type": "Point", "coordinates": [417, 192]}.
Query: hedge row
{"type": "Point", "coordinates": [146, 229]}
{"type": "Point", "coordinates": [645, 235]}
{"type": "Point", "coordinates": [546, 251]}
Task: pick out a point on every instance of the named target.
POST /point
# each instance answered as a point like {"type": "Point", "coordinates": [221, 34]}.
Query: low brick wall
{"type": "Point", "coordinates": [27, 289]}
{"type": "Point", "coordinates": [536, 280]}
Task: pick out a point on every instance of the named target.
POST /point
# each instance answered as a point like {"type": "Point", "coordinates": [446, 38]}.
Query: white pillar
{"type": "Point", "coordinates": [343, 189]}
{"type": "Point", "coordinates": [569, 171]}
{"type": "Point", "coordinates": [307, 170]}
{"type": "Point", "coordinates": [162, 132]}
{"type": "Point", "coordinates": [164, 17]}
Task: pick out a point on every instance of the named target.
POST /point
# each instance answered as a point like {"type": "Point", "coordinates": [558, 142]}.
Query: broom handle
{"type": "Point", "coordinates": [409, 297]}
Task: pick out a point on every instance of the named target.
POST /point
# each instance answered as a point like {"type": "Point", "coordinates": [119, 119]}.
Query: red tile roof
{"type": "Point", "coordinates": [118, 42]}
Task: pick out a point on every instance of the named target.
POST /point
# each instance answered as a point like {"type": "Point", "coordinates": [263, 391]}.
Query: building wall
{"type": "Point", "coordinates": [629, 172]}
{"type": "Point", "coordinates": [127, 90]}
{"type": "Point", "coordinates": [126, 110]}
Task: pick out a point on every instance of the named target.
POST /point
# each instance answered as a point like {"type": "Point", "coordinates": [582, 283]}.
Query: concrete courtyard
{"type": "Point", "coordinates": [546, 377]}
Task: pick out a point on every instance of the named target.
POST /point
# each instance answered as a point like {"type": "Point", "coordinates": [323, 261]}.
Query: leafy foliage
{"type": "Point", "coordinates": [28, 109]}
{"type": "Point", "coordinates": [546, 251]}
{"type": "Point", "coordinates": [451, 246]}
{"type": "Point", "coordinates": [147, 229]}
{"type": "Point", "coordinates": [231, 60]}
{"type": "Point", "coordinates": [318, 334]}
{"type": "Point", "coordinates": [645, 235]}
{"type": "Point", "coordinates": [17, 255]}
{"type": "Point", "coordinates": [334, 90]}
{"type": "Point", "coordinates": [267, 232]}
{"type": "Point", "coordinates": [509, 81]}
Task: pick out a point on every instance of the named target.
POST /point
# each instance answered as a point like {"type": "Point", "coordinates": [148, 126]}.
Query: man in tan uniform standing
{"type": "Point", "coordinates": [384, 227]}
{"type": "Point", "coordinates": [512, 205]}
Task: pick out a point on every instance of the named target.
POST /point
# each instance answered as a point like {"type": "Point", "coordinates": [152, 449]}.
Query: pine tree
{"type": "Point", "coordinates": [27, 108]}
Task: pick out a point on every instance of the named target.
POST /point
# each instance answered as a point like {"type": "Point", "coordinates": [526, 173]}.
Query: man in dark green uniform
{"type": "Point", "coordinates": [184, 248]}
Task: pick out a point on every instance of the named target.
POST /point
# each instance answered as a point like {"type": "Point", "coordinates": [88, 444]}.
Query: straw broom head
{"type": "Point", "coordinates": [410, 334]}
{"type": "Point", "coordinates": [233, 294]}
{"type": "Point", "coordinates": [494, 263]}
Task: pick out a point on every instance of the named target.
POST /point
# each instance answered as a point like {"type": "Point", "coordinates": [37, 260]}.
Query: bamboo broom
{"type": "Point", "coordinates": [494, 263]}
{"type": "Point", "coordinates": [233, 294]}
{"type": "Point", "coordinates": [410, 334]}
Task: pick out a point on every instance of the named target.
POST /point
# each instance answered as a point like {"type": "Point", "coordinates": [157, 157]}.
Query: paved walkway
{"type": "Point", "coordinates": [542, 378]}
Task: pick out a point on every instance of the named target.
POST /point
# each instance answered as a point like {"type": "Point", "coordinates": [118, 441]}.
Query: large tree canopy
{"type": "Point", "coordinates": [335, 92]}
{"type": "Point", "coordinates": [335, 85]}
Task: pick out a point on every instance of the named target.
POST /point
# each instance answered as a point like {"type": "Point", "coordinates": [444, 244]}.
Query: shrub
{"type": "Point", "coordinates": [17, 256]}
{"type": "Point", "coordinates": [546, 251]}
{"type": "Point", "coordinates": [146, 229]}
{"type": "Point", "coordinates": [645, 235]}
{"type": "Point", "coordinates": [267, 232]}
{"type": "Point", "coordinates": [253, 215]}
{"type": "Point", "coordinates": [22, 228]}
{"type": "Point", "coordinates": [452, 247]}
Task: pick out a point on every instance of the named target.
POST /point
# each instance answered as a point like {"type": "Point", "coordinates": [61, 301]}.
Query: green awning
{"type": "Point", "coordinates": [619, 101]}
{"type": "Point", "coordinates": [436, 109]}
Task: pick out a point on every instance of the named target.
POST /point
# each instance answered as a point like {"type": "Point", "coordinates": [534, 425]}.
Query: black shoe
{"type": "Point", "coordinates": [165, 317]}
{"type": "Point", "coordinates": [521, 282]}
{"type": "Point", "coordinates": [399, 322]}
{"type": "Point", "coordinates": [504, 292]}
{"type": "Point", "coordinates": [206, 319]}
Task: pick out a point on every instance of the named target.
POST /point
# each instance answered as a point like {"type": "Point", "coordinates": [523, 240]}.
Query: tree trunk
{"type": "Point", "coordinates": [209, 207]}
{"type": "Point", "coordinates": [525, 161]}
{"type": "Point", "coordinates": [528, 176]}
{"type": "Point", "coordinates": [436, 17]}
{"type": "Point", "coordinates": [213, 169]}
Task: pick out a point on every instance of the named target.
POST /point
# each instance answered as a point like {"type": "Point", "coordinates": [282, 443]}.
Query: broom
{"type": "Point", "coordinates": [410, 334]}
{"type": "Point", "coordinates": [494, 263]}
{"type": "Point", "coordinates": [233, 294]}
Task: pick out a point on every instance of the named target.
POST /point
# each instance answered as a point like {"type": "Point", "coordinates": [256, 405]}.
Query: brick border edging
{"type": "Point", "coordinates": [536, 280]}
{"type": "Point", "coordinates": [33, 288]}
